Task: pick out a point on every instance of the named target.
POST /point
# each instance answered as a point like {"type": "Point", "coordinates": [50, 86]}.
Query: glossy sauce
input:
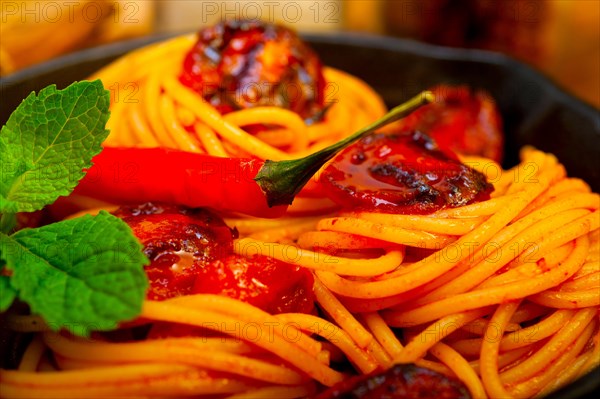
{"type": "Point", "coordinates": [191, 251]}
{"type": "Point", "coordinates": [404, 172]}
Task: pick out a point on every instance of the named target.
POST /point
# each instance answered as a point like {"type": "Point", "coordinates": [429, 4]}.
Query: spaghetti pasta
{"type": "Point", "coordinates": [154, 100]}
{"type": "Point", "coordinates": [501, 294]}
{"type": "Point", "coordinates": [538, 308]}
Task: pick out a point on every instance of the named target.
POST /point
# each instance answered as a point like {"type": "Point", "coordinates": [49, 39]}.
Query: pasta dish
{"type": "Point", "coordinates": [410, 265]}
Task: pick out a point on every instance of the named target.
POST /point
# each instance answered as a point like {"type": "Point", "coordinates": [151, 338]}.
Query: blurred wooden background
{"type": "Point", "coordinates": [559, 37]}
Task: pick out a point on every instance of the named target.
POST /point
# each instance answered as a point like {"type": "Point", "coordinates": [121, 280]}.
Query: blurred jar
{"type": "Point", "coordinates": [33, 31]}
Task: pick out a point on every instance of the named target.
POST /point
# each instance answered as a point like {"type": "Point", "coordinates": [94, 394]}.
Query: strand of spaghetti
{"type": "Point", "coordinates": [369, 99]}
{"type": "Point", "coordinates": [500, 256]}
{"type": "Point", "coordinates": [527, 171]}
{"type": "Point", "coordinates": [432, 267]}
{"type": "Point", "coordinates": [183, 140]}
{"type": "Point", "coordinates": [528, 311]}
{"type": "Point", "coordinates": [141, 131]}
{"type": "Point", "coordinates": [358, 305]}
{"type": "Point", "coordinates": [486, 262]}
{"type": "Point", "coordinates": [557, 255]}
{"type": "Point", "coordinates": [489, 168]}
{"type": "Point", "coordinates": [340, 338]}
{"type": "Point", "coordinates": [561, 188]}
{"type": "Point", "coordinates": [477, 326]}
{"type": "Point", "coordinates": [435, 333]}
{"type": "Point", "coordinates": [397, 235]}
{"type": "Point", "coordinates": [594, 360]}
{"type": "Point", "coordinates": [245, 312]}
{"type": "Point", "coordinates": [31, 358]}
{"type": "Point", "coordinates": [301, 391]}
{"type": "Point", "coordinates": [152, 90]}
{"type": "Point", "coordinates": [382, 332]}
{"type": "Point", "coordinates": [521, 338]}
{"type": "Point", "coordinates": [560, 237]}
{"type": "Point", "coordinates": [118, 381]}
{"type": "Point", "coordinates": [337, 240]}
{"type": "Point", "coordinates": [277, 137]}
{"type": "Point", "coordinates": [461, 368]}
{"type": "Point", "coordinates": [489, 350]}
{"type": "Point", "coordinates": [120, 132]}
{"type": "Point", "coordinates": [589, 267]}
{"type": "Point", "coordinates": [551, 350]}
{"type": "Point", "coordinates": [281, 234]}
{"type": "Point", "coordinates": [504, 359]}
{"type": "Point", "coordinates": [478, 209]}
{"type": "Point", "coordinates": [318, 261]}
{"type": "Point", "coordinates": [429, 224]}
{"type": "Point", "coordinates": [136, 64]}
{"type": "Point", "coordinates": [202, 358]}
{"type": "Point", "coordinates": [249, 225]}
{"type": "Point", "coordinates": [380, 355]}
{"type": "Point", "coordinates": [568, 374]}
{"type": "Point", "coordinates": [334, 308]}
{"type": "Point", "coordinates": [273, 343]}
{"type": "Point", "coordinates": [568, 300]}
{"type": "Point", "coordinates": [212, 118]}
{"type": "Point", "coordinates": [184, 116]}
{"type": "Point", "coordinates": [99, 376]}
{"type": "Point", "coordinates": [504, 251]}
{"type": "Point", "coordinates": [591, 280]}
{"type": "Point", "coordinates": [529, 387]}
{"type": "Point", "coordinates": [493, 295]}
{"type": "Point", "coordinates": [209, 140]}
{"type": "Point", "coordinates": [274, 116]}
{"type": "Point", "coordinates": [435, 366]}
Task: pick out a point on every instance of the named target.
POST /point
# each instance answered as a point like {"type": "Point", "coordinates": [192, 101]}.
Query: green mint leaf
{"type": "Point", "coordinates": [84, 274]}
{"type": "Point", "coordinates": [7, 293]}
{"type": "Point", "coordinates": [48, 141]}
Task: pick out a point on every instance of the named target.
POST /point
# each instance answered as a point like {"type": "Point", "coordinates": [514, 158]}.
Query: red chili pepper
{"type": "Point", "coordinates": [133, 175]}
{"type": "Point", "coordinates": [245, 185]}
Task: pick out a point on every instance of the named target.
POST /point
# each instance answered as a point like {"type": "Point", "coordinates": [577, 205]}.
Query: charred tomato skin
{"type": "Point", "coordinates": [241, 64]}
{"type": "Point", "coordinates": [179, 242]}
{"type": "Point", "coordinates": [403, 172]}
{"type": "Point", "coordinates": [403, 381]}
{"type": "Point", "coordinates": [191, 252]}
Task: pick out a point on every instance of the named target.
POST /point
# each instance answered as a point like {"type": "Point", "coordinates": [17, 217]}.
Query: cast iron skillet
{"type": "Point", "coordinates": [534, 110]}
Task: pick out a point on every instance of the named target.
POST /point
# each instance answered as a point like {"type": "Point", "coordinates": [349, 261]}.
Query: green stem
{"type": "Point", "coordinates": [282, 180]}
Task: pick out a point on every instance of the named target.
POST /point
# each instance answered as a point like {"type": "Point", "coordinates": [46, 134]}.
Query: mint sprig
{"type": "Point", "coordinates": [83, 274]}
{"type": "Point", "coordinates": [78, 273]}
{"type": "Point", "coordinates": [48, 141]}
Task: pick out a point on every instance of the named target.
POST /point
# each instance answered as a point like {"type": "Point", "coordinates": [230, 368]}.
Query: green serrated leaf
{"type": "Point", "coordinates": [7, 293]}
{"type": "Point", "coordinates": [48, 141]}
{"type": "Point", "coordinates": [84, 274]}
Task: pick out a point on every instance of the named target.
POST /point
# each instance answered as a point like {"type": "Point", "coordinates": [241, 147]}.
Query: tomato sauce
{"type": "Point", "coordinates": [191, 252]}
{"type": "Point", "coordinates": [403, 172]}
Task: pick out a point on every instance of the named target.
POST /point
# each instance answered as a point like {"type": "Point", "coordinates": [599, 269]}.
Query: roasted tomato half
{"type": "Point", "coordinates": [403, 381]}
{"type": "Point", "coordinates": [179, 242]}
{"type": "Point", "coordinates": [403, 172]}
{"type": "Point", "coordinates": [191, 252]}
{"type": "Point", "coordinates": [243, 64]}
{"type": "Point", "coordinates": [462, 120]}
{"type": "Point", "coordinates": [264, 282]}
